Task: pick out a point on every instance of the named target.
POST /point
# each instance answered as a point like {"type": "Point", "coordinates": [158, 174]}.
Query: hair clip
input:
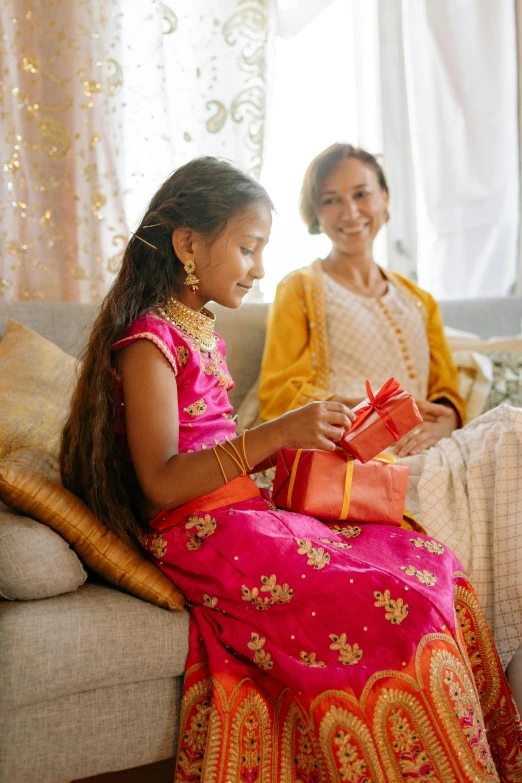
{"type": "Point", "coordinates": [153, 225]}
{"type": "Point", "coordinates": [144, 240]}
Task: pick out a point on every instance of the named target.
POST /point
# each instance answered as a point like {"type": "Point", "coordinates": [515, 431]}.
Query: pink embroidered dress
{"type": "Point", "coordinates": [319, 653]}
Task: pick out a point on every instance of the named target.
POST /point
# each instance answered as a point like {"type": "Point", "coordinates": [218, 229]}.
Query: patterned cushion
{"type": "Point", "coordinates": [29, 482]}
{"type": "Point", "coordinates": [35, 386]}
{"type": "Point", "coordinates": [506, 386]}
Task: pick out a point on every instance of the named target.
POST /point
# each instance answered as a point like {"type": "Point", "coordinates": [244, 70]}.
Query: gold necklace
{"type": "Point", "coordinates": [198, 323]}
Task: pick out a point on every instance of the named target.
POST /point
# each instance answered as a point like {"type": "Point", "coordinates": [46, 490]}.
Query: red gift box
{"type": "Point", "coordinates": [382, 419]}
{"type": "Point", "coordinates": [334, 486]}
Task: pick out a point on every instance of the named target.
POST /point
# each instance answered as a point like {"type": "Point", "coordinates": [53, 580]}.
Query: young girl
{"type": "Point", "coordinates": [317, 653]}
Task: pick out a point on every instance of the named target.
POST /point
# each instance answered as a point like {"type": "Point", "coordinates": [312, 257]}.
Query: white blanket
{"type": "Point", "coordinates": [467, 492]}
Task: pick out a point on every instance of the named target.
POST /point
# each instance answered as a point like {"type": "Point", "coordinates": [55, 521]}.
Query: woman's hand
{"type": "Point", "coordinates": [319, 425]}
{"type": "Point", "coordinates": [439, 421]}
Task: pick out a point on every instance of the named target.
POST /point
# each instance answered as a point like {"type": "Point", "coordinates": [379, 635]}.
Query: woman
{"type": "Point", "coordinates": [367, 323]}
{"type": "Point", "coordinates": [344, 319]}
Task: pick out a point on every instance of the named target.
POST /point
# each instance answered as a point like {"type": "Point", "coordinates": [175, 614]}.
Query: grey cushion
{"type": "Point", "coordinates": [35, 562]}
{"type": "Point", "coordinates": [93, 638]}
{"type": "Point", "coordinates": [66, 324]}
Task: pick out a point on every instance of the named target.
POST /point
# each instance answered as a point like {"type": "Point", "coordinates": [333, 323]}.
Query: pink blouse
{"type": "Point", "coordinates": [205, 413]}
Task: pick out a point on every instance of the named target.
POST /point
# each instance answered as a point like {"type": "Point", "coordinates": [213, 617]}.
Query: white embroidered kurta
{"type": "Point", "coordinates": [374, 339]}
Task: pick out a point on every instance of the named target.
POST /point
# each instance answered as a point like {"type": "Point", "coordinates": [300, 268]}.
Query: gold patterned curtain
{"type": "Point", "coordinates": [100, 100]}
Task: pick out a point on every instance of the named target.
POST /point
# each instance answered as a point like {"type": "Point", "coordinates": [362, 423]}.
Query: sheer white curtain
{"type": "Point", "coordinates": [102, 100]}
{"type": "Point", "coordinates": [196, 84]}
{"type": "Point", "coordinates": [326, 88]}
{"type": "Point", "coordinates": [450, 97]}
{"type": "Point", "coordinates": [431, 84]}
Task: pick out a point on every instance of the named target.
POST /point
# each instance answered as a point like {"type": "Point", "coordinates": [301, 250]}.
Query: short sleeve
{"type": "Point", "coordinates": [157, 331]}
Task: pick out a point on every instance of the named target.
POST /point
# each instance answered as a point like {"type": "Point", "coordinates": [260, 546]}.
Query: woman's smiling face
{"type": "Point", "coordinates": [351, 206]}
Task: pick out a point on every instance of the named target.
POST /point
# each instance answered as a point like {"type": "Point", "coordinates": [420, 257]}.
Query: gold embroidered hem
{"type": "Point", "coordinates": [427, 722]}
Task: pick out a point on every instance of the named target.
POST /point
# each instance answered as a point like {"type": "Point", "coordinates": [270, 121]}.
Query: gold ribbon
{"type": "Point", "coordinates": [347, 488]}
{"type": "Point", "coordinates": [292, 478]}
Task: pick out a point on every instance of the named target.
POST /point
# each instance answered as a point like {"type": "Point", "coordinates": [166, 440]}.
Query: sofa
{"type": "Point", "coordinates": [91, 679]}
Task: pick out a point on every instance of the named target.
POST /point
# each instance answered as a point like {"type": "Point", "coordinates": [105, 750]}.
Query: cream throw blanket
{"type": "Point", "coordinates": [467, 492]}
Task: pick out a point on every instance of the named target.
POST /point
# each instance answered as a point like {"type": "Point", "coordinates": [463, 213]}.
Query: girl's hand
{"type": "Point", "coordinates": [439, 422]}
{"type": "Point", "coordinates": [319, 425]}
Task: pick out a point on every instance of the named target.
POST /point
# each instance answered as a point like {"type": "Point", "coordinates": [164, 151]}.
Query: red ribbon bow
{"type": "Point", "coordinates": [377, 401]}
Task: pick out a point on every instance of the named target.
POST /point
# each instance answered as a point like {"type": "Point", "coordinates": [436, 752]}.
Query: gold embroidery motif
{"type": "Point", "coordinates": [349, 655]}
{"type": "Point", "coordinates": [279, 594]}
{"type": "Point", "coordinates": [183, 355]}
{"type": "Point", "coordinates": [396, 610]}
{"type": "Point", "coordinates": [196, 714]}
{"type": "Point", "coordinates": [479, 646]}
{"type": "Point", "coordinates": [317, 557]}
{"type": "Point", "coordinates": [158, 546]}
{"type": "Point", "coordinates": [300, 756]}
{"type": "Point", "coordinates": [336, 544]}
{"type": "Point", "coordinates": [205, 527]}
{"type": "Point", "coordinates": [406, 740]}
{"type": "Point", "coordinates": [196, 408]}
{"type": "Point", "coordinates": [350, 531]}
{"type": "Point", "coordinates": [261, 657]}
{"type": "Point", "coordinates": [209, 602]}
{"type": "Point", "coordinates": [250, 742]}
{"type": "Point", "coordinates": [454, 697]}
{"type": "Point", "coordinates": [215, 366]}
{"type": "Point", "coordinates": [425, 577]}
{"type": "Point", "coordinates": [348, 748]}
{"type": "Point", "coordinates": [308, 659]}
{"type": "Point", "coordinates": [432, 546]}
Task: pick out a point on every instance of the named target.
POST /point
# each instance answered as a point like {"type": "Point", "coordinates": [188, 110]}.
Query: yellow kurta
{"type": "Point", "coordinates": [296, 367]}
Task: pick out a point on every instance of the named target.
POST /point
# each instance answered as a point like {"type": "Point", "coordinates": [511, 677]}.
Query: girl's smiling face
{"type": "Point", "coordinates": [351, 206]}
{"type": "Point", "coordinates": [227, 267]}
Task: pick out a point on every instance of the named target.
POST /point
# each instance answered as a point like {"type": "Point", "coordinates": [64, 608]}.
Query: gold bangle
{"type": "Point", "coordinates": [233, 458]}
{"type": "Point", "coordinates": [244, 450]}
{"type": "Point", "coordinates": [220, 465]}
{"type": "Point", "coordinates": [238, 455]}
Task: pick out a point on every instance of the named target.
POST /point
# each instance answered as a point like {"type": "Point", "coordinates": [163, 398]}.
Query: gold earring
{"type": "Point", "coordinates": [191, 279]}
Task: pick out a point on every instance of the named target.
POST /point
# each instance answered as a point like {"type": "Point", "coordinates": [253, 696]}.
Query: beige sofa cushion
{"type": "Point", "coordinates": [36, 382]}
{"type": "Point", "coordinates": [30, 483]}
{"type": "Point", "coordinates": [100, 638]}
{"type": "Point", "coordinates": [35, 562]}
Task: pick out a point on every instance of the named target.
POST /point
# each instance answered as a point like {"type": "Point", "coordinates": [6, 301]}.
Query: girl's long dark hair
{"type": "Point", "coordinates": [204, 194]}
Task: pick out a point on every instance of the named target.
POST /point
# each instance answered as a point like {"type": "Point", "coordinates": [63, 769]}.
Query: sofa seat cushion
{"type": "Point", "coordinates": [96, 637]}
{"type": "Point", "coordinates": [35, 562]}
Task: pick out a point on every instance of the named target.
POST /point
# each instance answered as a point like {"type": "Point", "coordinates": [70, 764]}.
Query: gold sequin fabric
{"type": "Point", "coordinates": [85, 139]}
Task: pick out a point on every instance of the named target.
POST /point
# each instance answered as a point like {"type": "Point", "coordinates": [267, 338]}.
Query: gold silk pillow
{"type": "Point", "coordinates": [36, 382]}
{"type": "Point", "coordinates": [30, 483]}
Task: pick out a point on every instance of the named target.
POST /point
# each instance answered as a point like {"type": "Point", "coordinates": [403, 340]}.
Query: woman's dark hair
{"type": "Point", "coordinates": [319, 169]}
{"type": "Point", "coordinates": [204, 194]}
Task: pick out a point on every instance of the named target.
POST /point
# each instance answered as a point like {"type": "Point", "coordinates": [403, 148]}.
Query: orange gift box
{"type": "Point", "coordinates": [381, 420]}
{"type": "Point", "coordinates": [334, 486]}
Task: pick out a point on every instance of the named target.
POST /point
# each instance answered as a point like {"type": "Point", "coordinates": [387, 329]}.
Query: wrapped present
{"type": "Point", "coordinates": [334, 486]}
{"type": "Point", "coordinates": [381, 420]}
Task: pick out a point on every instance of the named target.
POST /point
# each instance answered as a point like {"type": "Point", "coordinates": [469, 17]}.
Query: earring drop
{"type": "Point", "coordinates": [191, 279]}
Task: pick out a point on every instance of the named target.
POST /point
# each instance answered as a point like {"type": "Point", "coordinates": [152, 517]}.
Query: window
{"type": "Point", "coordinates": [326, 89]}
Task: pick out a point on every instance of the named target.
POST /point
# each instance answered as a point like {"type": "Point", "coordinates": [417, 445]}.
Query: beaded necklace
{"type": "Point", "coordinates": [198, 324]}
